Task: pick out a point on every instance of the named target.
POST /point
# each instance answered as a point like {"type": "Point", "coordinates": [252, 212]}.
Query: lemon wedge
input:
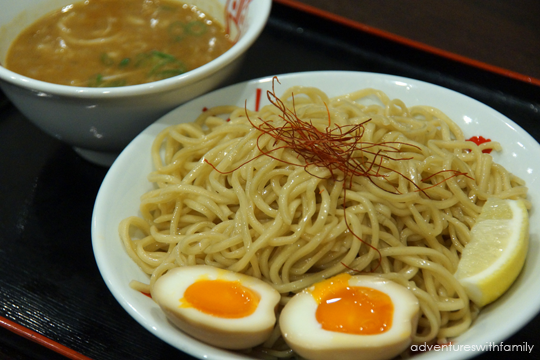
{"type": "Point", "coordinates": [493, 258]}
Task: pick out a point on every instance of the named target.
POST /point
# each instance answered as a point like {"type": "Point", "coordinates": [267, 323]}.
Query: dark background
{"type": "Point", "coordinates": [503, 33]}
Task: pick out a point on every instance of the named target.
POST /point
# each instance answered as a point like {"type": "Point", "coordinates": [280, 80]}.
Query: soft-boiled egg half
{"type": "Point", "coordinates": [220, 307]}
{"type": "Point", "coordinates": [350, 317]}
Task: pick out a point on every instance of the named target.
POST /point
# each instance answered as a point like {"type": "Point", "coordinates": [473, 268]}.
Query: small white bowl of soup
{"type": "Point", "coordinates": [95, 73]}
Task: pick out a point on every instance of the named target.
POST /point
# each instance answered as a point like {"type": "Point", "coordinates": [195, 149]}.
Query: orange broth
{"type": "Point", "coordinates": [104, 43]}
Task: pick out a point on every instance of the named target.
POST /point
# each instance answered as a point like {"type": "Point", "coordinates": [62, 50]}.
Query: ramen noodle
{"type": "Point", "coordinates": [107, 43]}
{"type": "Point", "coordinates": [241, 190]}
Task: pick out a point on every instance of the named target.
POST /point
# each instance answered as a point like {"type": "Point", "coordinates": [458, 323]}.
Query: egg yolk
{"type": "Point", "coordinates": [221, 298]}
{"type": "Point", "coordinates": [352, 309]}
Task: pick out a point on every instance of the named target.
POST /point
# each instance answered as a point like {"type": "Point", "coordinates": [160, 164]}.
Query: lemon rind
{"type": "Point", "coordinates": [505, 273]}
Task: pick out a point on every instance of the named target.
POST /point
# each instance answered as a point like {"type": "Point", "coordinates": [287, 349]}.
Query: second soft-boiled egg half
{"type": "Point", "coordinates": [220, 307]}
{"type": "Point", "coordinates": [350, 317]}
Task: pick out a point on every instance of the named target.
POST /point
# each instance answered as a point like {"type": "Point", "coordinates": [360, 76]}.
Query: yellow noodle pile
{"type": "Point", "coordinates": [275, 221]}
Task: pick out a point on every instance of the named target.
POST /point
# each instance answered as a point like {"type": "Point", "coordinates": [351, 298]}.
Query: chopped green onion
{"type": "Point", "coordinates": [95, 81]}
{"type": "Point", "coordinates": [125, 62]}
{"type": "Point", "coordinates": [165, 66]}
{"type": "Point", "coordinates": [170, 73]}
{"type": "Point", "coordinates": [160, 64]}
{"type": "Point", "coordinates": [106, 59]}
{"type": "Point", "coordinates": [196, 28]}
{"type": "Point", "coordinates": [142, 59]}
{"type": "Point", "coordinates": [163, 55]}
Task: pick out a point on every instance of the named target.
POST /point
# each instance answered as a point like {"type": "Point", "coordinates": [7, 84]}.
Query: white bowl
{"type": "Point", "coordinates": [126, 181]}
{"type": "Point", "coordinates": [100, 122]}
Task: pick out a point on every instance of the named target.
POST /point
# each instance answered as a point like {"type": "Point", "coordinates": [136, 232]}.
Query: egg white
{"type": "Point", "coordinates": [238, 333]}
{"type": "Point", "coordinates": [305, 335]}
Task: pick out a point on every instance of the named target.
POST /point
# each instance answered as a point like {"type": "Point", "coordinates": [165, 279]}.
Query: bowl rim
{"type": "Point", "coordinates": [257, 24]}
{"type": "Point", "coordinates": [473, 116]}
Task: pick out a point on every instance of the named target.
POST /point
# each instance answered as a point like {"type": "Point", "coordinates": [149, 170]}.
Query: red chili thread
{"type": "Point", "coordinates": [454, 174]}
{"type": "Point", "coordinates": [339, 149]}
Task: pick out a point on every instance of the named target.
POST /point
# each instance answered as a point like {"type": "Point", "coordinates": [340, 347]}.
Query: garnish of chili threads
{"type": "Point", "coordinates": [453, 172]}
{"type": "Point", "coordinates": [339, 149]}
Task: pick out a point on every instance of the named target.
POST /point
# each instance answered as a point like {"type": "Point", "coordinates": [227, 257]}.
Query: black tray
{"type": "Point", "coordinates": [49, 281]}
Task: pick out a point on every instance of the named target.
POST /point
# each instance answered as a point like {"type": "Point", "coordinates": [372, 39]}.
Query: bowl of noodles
{"type": "Point", "coordinates": [135, 208]}
{"type": "Point", "coordinates": [94, 74]}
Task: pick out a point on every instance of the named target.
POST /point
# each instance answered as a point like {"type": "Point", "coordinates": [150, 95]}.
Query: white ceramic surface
{"type": "Point", "coordinates": [100, 122]}
{"type": "Point", "coordinates": [126, 181]}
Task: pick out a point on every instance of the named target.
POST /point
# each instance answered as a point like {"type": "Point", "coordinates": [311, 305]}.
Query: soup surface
{"type": "Point", "coordinates": [104, 43]}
